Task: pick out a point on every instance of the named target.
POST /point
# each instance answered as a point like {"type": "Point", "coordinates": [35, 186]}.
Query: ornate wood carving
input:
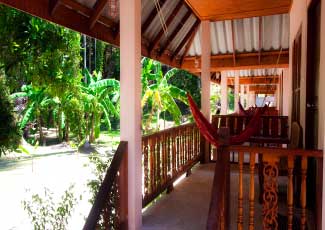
{"type": "Point", "coordinates": [251, 190]}
{"type": "Point", "coordinates": [240, 218]}
{"type": "Point", "coordinates": [270, 194]}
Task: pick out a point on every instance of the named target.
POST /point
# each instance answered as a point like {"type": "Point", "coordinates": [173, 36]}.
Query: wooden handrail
{"type": "Point", "coordinates": [106, 187]}
{"type": "Point", "coordinates": [276, 152]}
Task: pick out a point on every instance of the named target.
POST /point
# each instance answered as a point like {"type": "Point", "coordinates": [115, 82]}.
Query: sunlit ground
{"type": "Point", "coordinates": [56, 171]}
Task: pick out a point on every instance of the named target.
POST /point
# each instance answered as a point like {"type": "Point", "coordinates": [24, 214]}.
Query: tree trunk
{"type": "Point", "coordinates": [67, 131]}
{"type": "Point", "coordinates": [41, 135]}
{"type": "Point", "coordinates": [92, 138]}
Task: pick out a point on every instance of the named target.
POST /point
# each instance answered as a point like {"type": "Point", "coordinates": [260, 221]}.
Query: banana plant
{"type": "Point", "coordinates": [101, 97]}
{"type": "Point", "coordinates": [38, 101]}
{"type": "Point", "coordinates": [159, 95]}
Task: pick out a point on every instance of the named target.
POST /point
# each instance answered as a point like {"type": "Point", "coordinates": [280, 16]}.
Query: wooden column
{"type": "Point", "coordinates": [224, 93]}
{"type": "Point", "coordinates": [205, 79]}
{"type": "Point", "coordinates": [287, 93]}
{"type": "Point", "coordinates": [242, 95]}
{"type": "Point", "coordinates": [130, 47]}
{"type": "Point", "coordinates": [236, 93]}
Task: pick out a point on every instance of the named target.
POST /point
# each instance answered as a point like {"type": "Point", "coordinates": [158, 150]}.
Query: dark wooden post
{"type": "Point", "coordinates": [218, 218]}
{"type": "Point", "coordinates": [123, 185]}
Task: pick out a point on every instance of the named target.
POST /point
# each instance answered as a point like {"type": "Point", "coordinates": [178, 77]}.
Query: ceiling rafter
{"type": "Point", "coordinates": [151, 17]}
{"type": "Point", "coordinates": [233, 42]}
{"type": "Point", "coordinates": [189, 43]}
{"type": "Point", "coordinates": [169, 20]}
{"type": "Point", "coordinates": [88, 12]}
{"type": "Point", "coordinates": [54, 4]}
{"type": "Point", "coordinates": [97, 11]}
{"type": "Point", "coordinates": [259, 39]}
{"type": "Point", "coordinates": [185, 39]}
{"type": "Point", "coordinates": [175, 32]}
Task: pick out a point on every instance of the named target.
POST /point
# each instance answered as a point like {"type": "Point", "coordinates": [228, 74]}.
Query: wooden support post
{"type": "Point", "coordinates": [218, 217]}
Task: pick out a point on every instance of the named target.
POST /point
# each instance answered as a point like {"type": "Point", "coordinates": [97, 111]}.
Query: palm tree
{"type": "Point", "coordinates": [101, 98]}
{"type": "Point", "coordinates": [157, 94]}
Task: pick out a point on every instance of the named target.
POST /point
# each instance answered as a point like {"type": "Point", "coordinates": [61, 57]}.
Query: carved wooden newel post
{"type": "Point", "coordinates": [218, 218]}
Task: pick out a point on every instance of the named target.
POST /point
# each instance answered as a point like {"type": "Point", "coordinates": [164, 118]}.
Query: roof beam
{"type": "Point", "coordinates": [270, 59]}
{"type": "Point", "coordinates": [169, 20]}
{"type": "Point", "coordinates": [98, 10]}
{"type": "Point", "coordinates": [262, 88]}
{"type": "Point", "coordinates": [175, 32]}
{"type": "Point", "coordinates": [185, 39]}
{"type": "Point", "coordinates": [151, 17]}
{"type": "Point", "coordinates": [53, 6]}
{"type": "Point", "coordinates": [256, 80]}
{"type": "Point", "coordinates": [88, 12]}
{"type": "Point", "coordinates": [259, 39]}
{"type": "Point", "coordinates": [233, 42]}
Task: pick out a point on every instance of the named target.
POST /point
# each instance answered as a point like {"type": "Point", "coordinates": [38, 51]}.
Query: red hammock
{"type": "Point", "coordinates": [210, 133]}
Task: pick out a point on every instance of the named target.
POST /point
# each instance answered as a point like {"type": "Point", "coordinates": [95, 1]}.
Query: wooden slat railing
{"type": "Point", "coordinates": [109, 210]}
{"type": "Point", "coordinates": [274, 129]}
{"type": "Point", "coordinates": [166, 156]}
{"type": "Point", "coordinates": [271, 161]}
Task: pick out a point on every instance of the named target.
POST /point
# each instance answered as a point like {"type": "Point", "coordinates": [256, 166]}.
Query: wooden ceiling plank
{"type": "Point", "coordinates": [233, 42]}
{"type": "Point", "coordinates": [97, 11]}
{"type": "Point", "coordinates": [151, 17]}
{"type": "Point", "coordinates": [185, 39]}
{"type": "Point", "coordinates": [175, 32]}
{"type": "Point", "coordinates": [169, 20]}
{"type": "Point", "coordinates": [227, 10]}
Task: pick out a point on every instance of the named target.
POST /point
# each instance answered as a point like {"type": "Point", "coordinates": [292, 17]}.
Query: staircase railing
{"type": "Point", "coordinates": [166, 156]}
{"type": "Point", "coordinates": [110, 207]}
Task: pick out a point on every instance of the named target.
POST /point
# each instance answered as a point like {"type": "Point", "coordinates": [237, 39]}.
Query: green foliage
{"type": "Point", "coordinates": [39, 51]}
{"type": "Point", "coordinates": [99, 165]}
{"type": "Point", "coordinates": [101, 98]}
{"type": "Point", "coordinates": [157, 94]}
{"type": "Point", "coordinates": [45, 213]}
{"type": "Point", "coordinates": [10, 135]}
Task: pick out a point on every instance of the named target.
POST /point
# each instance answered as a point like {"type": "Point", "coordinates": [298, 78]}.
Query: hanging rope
{"type": "Point", "coordinates": [161, 17]}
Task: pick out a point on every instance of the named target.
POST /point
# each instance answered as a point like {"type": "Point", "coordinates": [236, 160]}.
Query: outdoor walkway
{"type": "Point", "coordinates": [185, 208]}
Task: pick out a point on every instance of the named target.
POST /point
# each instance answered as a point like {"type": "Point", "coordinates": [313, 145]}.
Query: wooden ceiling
{"type": "Point", "coordinates": [217, 10]}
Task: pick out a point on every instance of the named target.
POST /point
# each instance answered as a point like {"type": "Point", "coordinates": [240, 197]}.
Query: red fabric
{"type": "Point", "coordinates": [251, 129]}
{"type": "Point", "coordinates": [210, 133]}
{"type": "Point", "coordinates": [206, 129]}
{"type": "Point", "coordinates": [242, 111]}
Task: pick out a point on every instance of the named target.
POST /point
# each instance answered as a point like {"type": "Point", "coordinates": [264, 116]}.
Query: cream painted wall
{"type": "Point", "coordinates": [298, 19]}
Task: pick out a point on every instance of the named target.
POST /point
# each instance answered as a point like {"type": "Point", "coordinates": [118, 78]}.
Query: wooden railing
{"type": "Point", "coordinates": [109, 210]}
{"type": "Point", "coordinates": [274, 129]}
{"type": "Point", "coordinates": [166, 156]}
{"type": "Point", "coordinates": [275, 161]}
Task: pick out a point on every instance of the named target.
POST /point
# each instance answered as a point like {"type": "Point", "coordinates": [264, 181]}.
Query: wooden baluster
{"type": "Point", "coordinates": [145, 167]}
{"type": "Point", "coordinates": [163, 152]}
{"type": "Point", "coordinates": [174, 153]}
{"type": "Point", "coordinates": [240, 217]}
{"type": "Point", "coordinates": [169, 167]}
{"type": "Point", "coordinates": [303, 192]}
{"type": "Point", "coordinates": [290, 191]}
{"type": "Point", "coordinates": [158, 163]}
{"type": "Point", "coordinates": [152, 165]}
{"type": "Point", "coordinates": [251, 190]}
